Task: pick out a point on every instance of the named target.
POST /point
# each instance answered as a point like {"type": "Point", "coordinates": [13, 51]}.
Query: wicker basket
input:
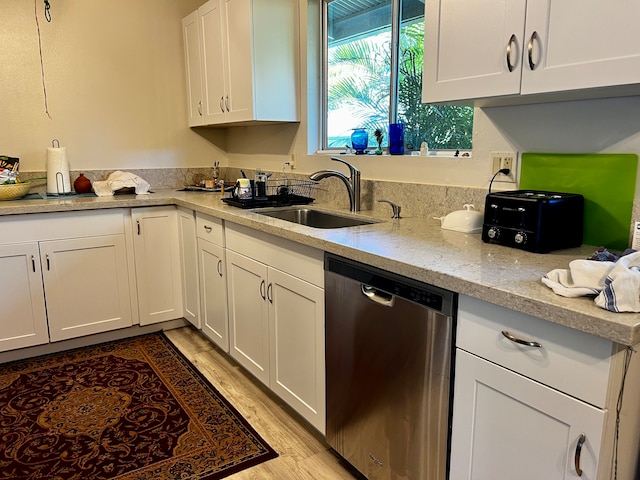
{"type": "Point", "coordinates": [14, 190]}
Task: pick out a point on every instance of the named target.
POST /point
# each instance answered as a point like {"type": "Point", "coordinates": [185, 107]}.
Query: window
{"type": "Point", "coordinates": [359, 77]}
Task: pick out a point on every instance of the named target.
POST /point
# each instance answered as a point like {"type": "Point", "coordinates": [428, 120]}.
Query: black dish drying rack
{"type": "Point", "coordinates": [280, 192]}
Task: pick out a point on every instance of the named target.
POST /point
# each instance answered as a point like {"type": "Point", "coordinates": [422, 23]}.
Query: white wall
{"type": "Point", "coordinates": [114, 80]}
{"type": "Point", "coordinates": [116, 91]}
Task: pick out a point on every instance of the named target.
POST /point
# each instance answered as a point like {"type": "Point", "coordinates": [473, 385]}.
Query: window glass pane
{"type": "Point", "coordinates": [358, 68]}
{"type": "Point", "coordinates": [358, 73]}
{"type": "Point", "coordinates": [441, 126]}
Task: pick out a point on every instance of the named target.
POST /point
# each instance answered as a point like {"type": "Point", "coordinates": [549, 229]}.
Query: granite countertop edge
{"type": "Point", "coordinates": [414, 247]}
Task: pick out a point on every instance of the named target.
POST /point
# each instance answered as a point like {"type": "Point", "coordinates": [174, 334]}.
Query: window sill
{"type": "Point", "coordinates": [415, 154]}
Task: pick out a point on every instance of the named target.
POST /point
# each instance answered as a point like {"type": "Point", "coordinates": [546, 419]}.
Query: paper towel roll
{"type": "Point", "coordinates": [58, 180]}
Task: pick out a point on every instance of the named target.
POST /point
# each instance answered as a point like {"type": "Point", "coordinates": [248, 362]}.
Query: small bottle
{"type": "Point", "coordinates": [424, 149]}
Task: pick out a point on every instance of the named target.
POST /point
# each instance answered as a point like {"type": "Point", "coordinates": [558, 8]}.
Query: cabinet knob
{"type": "Point", "coordinates": [207, 228]}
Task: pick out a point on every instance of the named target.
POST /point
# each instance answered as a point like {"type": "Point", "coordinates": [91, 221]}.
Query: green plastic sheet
{"type": "Point", "coordinates": [607, 181]}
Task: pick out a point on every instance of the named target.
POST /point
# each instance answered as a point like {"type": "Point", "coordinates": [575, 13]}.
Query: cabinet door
{"type": "Point", "coordinates": [248, 314]}
{"type": "Point", "coordinates": [23, 318]}
{"type": "Point", "coordinates": [193, 68]}
{"type": "Point", "coordinates": [213, 61]}
{"type": "Point", "coordinates": [239, 58]}
{"type": "Point", "coordinates": [466, 47]}
{"type": "Point", "coordinates": [296, 329]}
{"type": "Point", "coordinates": [581, 45]}
{"type": "Point", "coordinates": [189, 266]}
{"type": "Point", "coordinates": [87, 285]}
{"type": "Point", "coordinates": [157, 258]}
{"type": "Point", "coordinates": [508, 426]}
{"type": "Point", "coordinates": [213, 293]}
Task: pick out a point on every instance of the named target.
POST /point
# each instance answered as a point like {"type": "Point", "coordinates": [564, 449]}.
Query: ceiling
{"type": "Point", "coordinates": [351, 18]}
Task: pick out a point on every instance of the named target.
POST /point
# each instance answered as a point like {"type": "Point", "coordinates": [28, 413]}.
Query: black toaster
{"type": "Point", "coordinates": [533, 220]}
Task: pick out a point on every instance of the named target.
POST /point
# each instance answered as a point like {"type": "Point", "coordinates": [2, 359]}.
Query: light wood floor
{"type": "Point", "coordinates": [303, 454]}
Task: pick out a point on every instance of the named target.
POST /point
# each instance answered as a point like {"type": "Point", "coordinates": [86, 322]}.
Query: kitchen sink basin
{"type": "Point", "coordinates": [315, 218]}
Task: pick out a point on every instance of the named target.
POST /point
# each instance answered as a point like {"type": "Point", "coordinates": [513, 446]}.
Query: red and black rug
{"type": "Point", "coordinates": [135, 409]}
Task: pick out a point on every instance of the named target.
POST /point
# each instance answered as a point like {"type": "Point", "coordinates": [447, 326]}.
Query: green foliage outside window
{"type": "Point", "coordinates": [359, 79]}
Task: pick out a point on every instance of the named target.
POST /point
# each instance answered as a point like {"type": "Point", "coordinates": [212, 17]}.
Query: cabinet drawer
{"type": "Point", "coordinates": [210, 228]}
{"type": "Point", "coordinates": [568, 360]}
{"type": "Point", "coordinates": [56, 226]}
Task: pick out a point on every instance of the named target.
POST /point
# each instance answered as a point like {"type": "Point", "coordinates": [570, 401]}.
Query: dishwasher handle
{"type": "Point", "coordinates": [379, 296]}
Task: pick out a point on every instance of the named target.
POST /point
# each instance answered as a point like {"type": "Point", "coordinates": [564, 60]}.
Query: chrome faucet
{"type": "Point", "coordinates": [352, 182]}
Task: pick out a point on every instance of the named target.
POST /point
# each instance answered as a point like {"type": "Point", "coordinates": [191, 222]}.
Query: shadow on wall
{"type": "Point", "coordinates": [260, 139]}
{"type": "Point", "coordinates": [216, 136]}
{"type": "Point", "coordinates": [571, 127]}
{"type": "Point", "coordinates": [276, 139]}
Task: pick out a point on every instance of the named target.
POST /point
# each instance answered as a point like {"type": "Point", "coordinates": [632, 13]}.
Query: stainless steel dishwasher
{"type": "Point", "coordinates": [389, 343]}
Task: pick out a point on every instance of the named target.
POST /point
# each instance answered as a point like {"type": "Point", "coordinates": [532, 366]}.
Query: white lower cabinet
{"type": "Point", "coordinates": [508, 426]}
{"type": "Point", "coordinates": [157, 260]}
{"type": "Point", "coordinates": [276, 316]}
{"type": "Point", "coordinates": [296, 344]}
{"type": "Point", "coordinates": [23, 322]}
{"type": "Point", "coordinates": [77, 261]}
{"type": "Point", "coordinates": [86, 284]}
{"type": "Point", "coordinates": [536, 400]}
{"type": "Point", "coordinates": [248, 314]}
{"type": "Point", "coordinates": [213, 280]}
{"type": "Point", "coordinates": [189, 266]}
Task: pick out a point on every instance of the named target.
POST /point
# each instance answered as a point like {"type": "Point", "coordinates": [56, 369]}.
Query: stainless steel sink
{"type": "Point", "coordinates": [315, 218]}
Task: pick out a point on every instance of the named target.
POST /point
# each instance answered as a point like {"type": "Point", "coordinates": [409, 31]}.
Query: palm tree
{"type": "Point", "coordinates": [359, 78]}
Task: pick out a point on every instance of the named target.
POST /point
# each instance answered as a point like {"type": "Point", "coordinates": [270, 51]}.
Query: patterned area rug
{"type": "Point", "coordinates": [129, 410]}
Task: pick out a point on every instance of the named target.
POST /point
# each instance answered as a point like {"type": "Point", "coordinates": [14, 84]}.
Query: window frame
{"type": "Point", "coordinates": [396, 20]}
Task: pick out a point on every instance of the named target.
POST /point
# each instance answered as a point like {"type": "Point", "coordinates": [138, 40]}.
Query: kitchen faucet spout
{"type": "Point", "coordinates": [352, 182]}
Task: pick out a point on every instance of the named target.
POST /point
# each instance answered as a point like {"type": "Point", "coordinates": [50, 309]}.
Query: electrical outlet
{"type": "Point", "coordinates": [500, 160]}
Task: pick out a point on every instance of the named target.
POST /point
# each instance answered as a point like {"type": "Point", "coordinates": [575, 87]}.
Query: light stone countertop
{"type": "Point", "coordinates": [414, 247]}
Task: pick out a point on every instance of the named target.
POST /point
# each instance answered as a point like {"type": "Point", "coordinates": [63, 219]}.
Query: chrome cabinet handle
{"type": "Point", "coordinates": [512, 40]}
{"type": "Point", "coordinates": [270, 293]}
{"type": "Point", "coordinates": [200, 108]}
{"type": "Point", "coordinates": [222, 104]}
{"type": "Point", "coordinates": [48, 262]}
{"type": "Point", "coordinates": [139, 228]}
{"type": "Point", "coordinates": [262, 293]}
{"type": "Point", "coordinates": [226, 102]}
{"type": "Point", "coordinates": [576, 459]}
{"type": "Point", "coordinates": [520, 341]}
{"type": "Point", "coordinates": [207, 228]}
{"type": "Point", "coordinates": [534, 35]}
{"type": "Point", "coordinates": [33, 263]}
{"type": "Point", "coordinates": [219, 268]}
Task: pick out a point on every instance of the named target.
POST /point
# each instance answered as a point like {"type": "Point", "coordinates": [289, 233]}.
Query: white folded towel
{"type": "Point", "coordinates": [118, 180]}
{"type": "Point", "coordinates": [616, 285]}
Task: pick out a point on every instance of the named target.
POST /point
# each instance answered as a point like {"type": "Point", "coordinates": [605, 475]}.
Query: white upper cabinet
{"type": "Point", "coordinates": [193, 69]}
{"type": "Point", "coordinates": [248, 62]}
{"type": "Point", "coordinates": [512, 51]}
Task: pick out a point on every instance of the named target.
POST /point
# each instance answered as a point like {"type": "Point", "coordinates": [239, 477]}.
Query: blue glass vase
{"type": "Point", "coordinates": [359, 140]}
{"type": "Point", "coordinates": [396, 138]}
